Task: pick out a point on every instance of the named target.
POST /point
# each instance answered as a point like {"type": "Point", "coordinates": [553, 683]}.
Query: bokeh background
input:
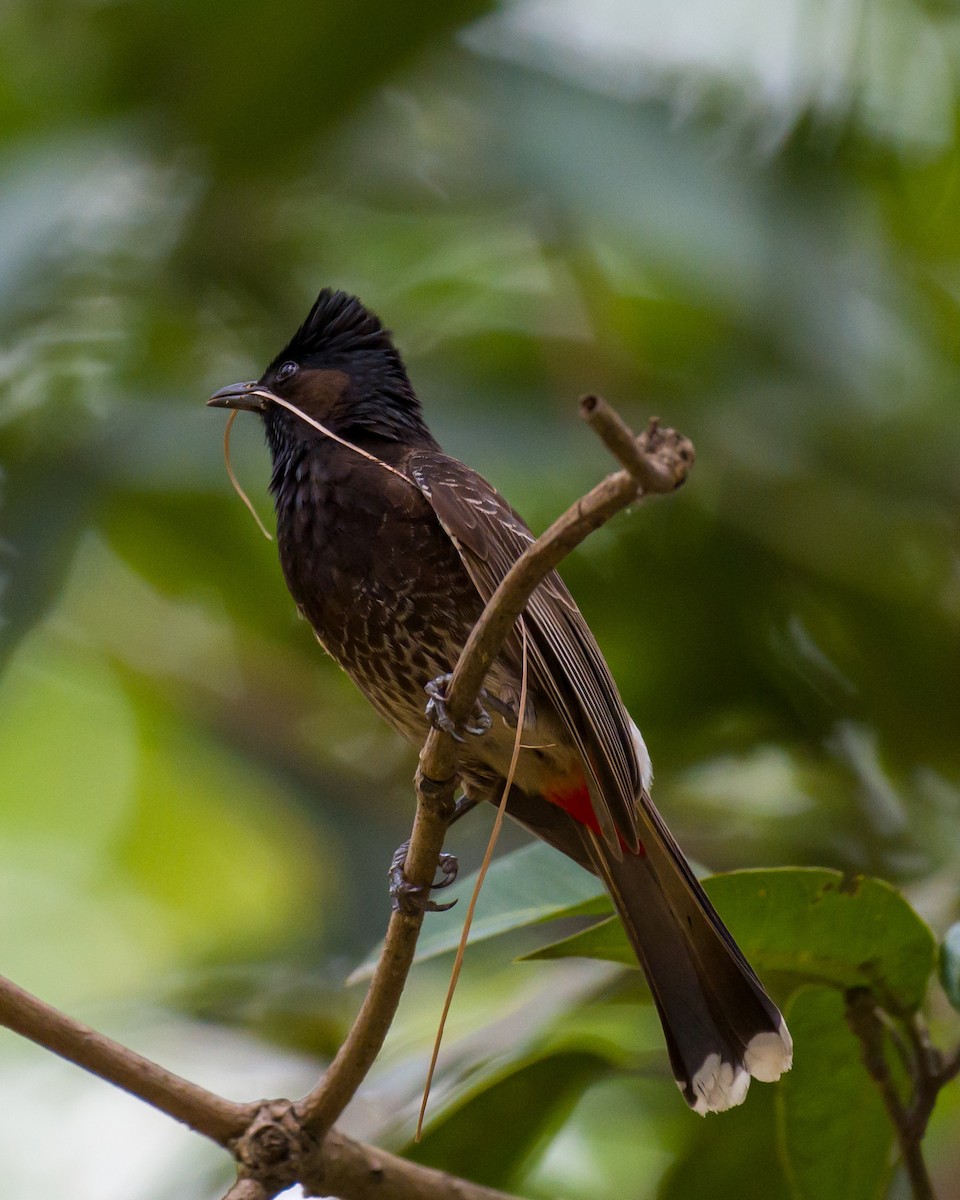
{"type": "Point", "coordinates": [743, 217]}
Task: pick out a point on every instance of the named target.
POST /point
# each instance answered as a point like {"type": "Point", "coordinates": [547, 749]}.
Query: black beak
{"type": "Point", "coordinates": [251, 397]}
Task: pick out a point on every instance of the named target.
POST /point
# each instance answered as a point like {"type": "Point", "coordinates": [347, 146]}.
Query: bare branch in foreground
{"type": "Point", "coordinates": [354, 1171]}
{"type": "Point", "coordinates": [205, 1112]}
{"type": "Point", "coordinates": [265, 1138]}
{"type": "Point", "coordinates": [278, 1143]}
{"type": "Point", "coordinates": [277, 1151]}
{"type": "Point", "coordinates": [349, 1170]}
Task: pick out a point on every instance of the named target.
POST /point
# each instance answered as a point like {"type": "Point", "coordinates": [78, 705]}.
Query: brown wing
{"type": "Point", "coordinates": [564, 660]}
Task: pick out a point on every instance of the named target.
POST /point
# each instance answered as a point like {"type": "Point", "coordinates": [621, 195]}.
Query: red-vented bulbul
{"type": "Point", "coordinates": [390, 549]}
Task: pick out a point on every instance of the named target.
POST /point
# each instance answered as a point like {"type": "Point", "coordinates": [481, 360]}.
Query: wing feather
{"type": "Point", "coordinates": [565, 662]}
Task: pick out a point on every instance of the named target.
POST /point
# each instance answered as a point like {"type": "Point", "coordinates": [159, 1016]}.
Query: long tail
{"type": "Point", "coordinates": [720, 1025]}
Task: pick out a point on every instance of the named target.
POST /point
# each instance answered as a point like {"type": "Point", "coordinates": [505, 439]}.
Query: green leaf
{"type": "Point", "coordinates": [834, 1130]}
{"type": "Point", "coordinates": [605, 940]}
{"type": "Point", "coordinates": [816, 925]}
{"type": "Point", "coordinates": [495, 1133]}
{"type": "Point", "coordinates": [532, 885]}
{"type": "Point", "coordinates": [733, 1154]}
{"type": "Point", "coordinates": [950, 964]}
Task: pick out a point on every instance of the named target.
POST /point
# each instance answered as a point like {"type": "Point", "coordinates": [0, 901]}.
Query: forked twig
{"type": "Point", "coordinates": [927, 1069]}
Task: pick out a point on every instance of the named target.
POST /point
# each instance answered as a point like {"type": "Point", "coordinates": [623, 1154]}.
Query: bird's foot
{"type": "Point", "coordinates": [413, 898]}
{"type": "Point", "coordinates": [479, 722]}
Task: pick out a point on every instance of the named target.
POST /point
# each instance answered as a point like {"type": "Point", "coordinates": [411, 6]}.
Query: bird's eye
{"type": "Point", "coordinates": [287, 371]}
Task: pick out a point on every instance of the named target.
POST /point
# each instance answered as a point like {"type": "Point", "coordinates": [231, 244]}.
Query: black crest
{"type": "Point", "coordinates": [341, 333]}
{"type": "Point", "coordinates": [337, 329]}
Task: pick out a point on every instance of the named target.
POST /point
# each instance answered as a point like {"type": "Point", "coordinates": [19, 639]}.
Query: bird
{"type": "Point", "coordinates": [390, 549]}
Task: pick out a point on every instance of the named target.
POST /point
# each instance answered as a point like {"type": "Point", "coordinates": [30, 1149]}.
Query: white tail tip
{"type": "Point", "coordinates": [720, 1085]}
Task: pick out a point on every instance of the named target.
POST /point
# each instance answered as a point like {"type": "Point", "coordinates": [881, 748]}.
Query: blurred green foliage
{"type": "Point", "coordinates": [747, 221]}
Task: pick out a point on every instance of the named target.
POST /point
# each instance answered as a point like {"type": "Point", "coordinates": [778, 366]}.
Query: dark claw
{"type": "Point", "coordinates": [436, 710]}
{"type": "Point", "coordinates": [449, 868]}
{"type": "Point", "coordinates": [411, 898]}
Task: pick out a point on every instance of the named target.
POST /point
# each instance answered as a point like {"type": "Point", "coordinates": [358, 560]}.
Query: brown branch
{"type": "Point", "coordinates": [267, 1139]}
{"type": "Point", "coordinates": [353, 1171]}
{"type": "Point", "coordinates": [909, 1121]}
{"type": "Point", "coordinates": [205, 1112]}
{"type": "Point", "coordinates": [360, 1048]}
{"type": "Point", "coordinates": [657, 460]}
{"type": "Point", "coordinates": [931, 1071]}
{"type": "Point", "coordinates": [277, 1151]}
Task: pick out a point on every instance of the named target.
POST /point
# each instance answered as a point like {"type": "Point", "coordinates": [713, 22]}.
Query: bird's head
{"type": "Point", "coordinates": [342, 369]}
